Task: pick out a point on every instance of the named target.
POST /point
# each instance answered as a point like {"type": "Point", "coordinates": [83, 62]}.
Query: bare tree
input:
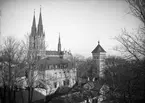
{"type": "Point", "coordinates": [12, 62]}
{"type": "Point", "coordinates": [125, 79]}
{"type": "Point", "coordinates": [137, 8]}
{"type": "Point", "coordinates": [133, 44]}
{"type": "Point", "coordinates": [87, 69]}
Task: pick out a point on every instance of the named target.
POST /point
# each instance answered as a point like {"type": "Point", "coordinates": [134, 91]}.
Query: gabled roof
{"type": "Point", "coordinates": [98, 49]}
{"type": "Point", "coordinates": [53, 60]}
{"type": "Point", "coordinates": [52, 53]}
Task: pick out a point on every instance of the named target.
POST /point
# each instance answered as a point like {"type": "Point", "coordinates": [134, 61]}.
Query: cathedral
{"type": "Point", "coordinates": [37, 49]}
{"type": "Point", "coordinates": [53, 69]}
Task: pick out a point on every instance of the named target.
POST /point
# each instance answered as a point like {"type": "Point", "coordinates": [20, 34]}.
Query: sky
{"type": "Point", "coordinates": [81, 23]}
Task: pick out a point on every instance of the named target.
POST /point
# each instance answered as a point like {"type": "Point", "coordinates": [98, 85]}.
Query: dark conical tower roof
{"type": "Point", "coordinates": [98, 49]}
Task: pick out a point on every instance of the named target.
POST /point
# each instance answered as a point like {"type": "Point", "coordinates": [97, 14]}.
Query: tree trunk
{"type": "Point", "coordinates": [1, 95]}
{"type": "Point", "coordinates": [22, 96]}
{"type": "Point", "coordinates": [32, 89]}
{"type": "Point", "coordinates": [129, 92]}
{"type": "Point", "coordinates": [9, 94]}
{"type": "Point", "coordinates": [29, 95]}
{"type": "Point", "coordinates": [14, 93]}
{"type": "Point", "coordinates": [9, 83]}
{"type": "Point", "coordinates": [4, 94]}
{"type": "Point", "coordinates": [124, 98]}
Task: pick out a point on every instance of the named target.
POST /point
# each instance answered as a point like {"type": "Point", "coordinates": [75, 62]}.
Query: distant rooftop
{"type": "Point", "coordinates": [52, 53]}
{"type": "Point", "coordinates": [54, 61]}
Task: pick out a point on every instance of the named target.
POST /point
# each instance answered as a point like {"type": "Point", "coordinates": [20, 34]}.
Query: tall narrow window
{"type": "Point", "coordinates": [55, 84]}
{"type": "Point", "coordinates": [55, 75]}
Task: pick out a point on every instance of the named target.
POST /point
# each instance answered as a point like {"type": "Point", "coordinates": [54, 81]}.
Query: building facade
{"type": "Point", "coordinates": [55, 72]}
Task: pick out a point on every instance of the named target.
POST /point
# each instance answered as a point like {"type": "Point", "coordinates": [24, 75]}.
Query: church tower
{"type": "Point", "coordinates": [32, 39]}
{"type": "Point", "coordinates": [40, 38]}
{"type": "Point", "coordinates": [60, 53]}
{"type": "Point", "coordinates": [59, 45]}
{"type": "Point", "coordinates": [37, 40]}
{"type": "Point", "coordinates": [99, 55]}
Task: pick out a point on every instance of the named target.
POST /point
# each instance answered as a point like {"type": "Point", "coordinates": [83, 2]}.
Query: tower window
{"type": "Point", "coordinates": [55, 84]}
{"type": "Point", "coordinates": [96, 57]}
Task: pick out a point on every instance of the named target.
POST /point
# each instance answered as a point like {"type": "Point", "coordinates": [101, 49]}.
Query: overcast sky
{"type": "Point", "coordinates": [81, 23]}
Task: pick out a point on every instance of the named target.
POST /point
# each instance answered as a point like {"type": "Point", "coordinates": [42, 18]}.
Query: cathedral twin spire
{"type": "Point", "coordinates": [39, 30]}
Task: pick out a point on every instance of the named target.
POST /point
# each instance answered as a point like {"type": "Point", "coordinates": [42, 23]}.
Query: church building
{"type": "Point", "coordinates": [53, 70]}
{"type": "Point", "coordinates": [37, 48]}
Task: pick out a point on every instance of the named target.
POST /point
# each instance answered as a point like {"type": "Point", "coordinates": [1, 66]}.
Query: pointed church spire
{"type": "Point", "coordinates": [33, 29]}
{"type": "Point", "coordinates": [59, 39]}
{"type": "Point", "coordinates": [40, 17]}
{"type": "Point", "coordinates": [59, 44]}
{"type": "Point", "coordinates": [34, 22]}
{"type": "Point", "coordinates": [40, 25]}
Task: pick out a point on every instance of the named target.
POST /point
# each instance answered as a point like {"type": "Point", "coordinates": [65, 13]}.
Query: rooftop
{"type": "Point", "coordinates": [54, 53]}
{"type": "Point", "coordinates": [98, 49]}
{"type": "Point", "coordinates": [55, 61]}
